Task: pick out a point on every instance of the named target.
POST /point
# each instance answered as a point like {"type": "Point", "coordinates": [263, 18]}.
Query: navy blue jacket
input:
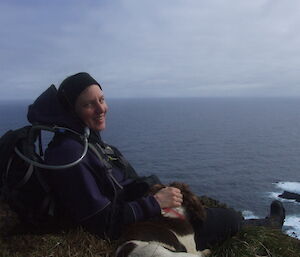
{"type": "Point", "coordinates": [85, 193]}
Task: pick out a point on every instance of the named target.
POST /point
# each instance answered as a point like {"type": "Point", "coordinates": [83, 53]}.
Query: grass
{"type": "Point", "coordinates": [15, 241]}
{"type": "Point", "coordinates": [259, 241]}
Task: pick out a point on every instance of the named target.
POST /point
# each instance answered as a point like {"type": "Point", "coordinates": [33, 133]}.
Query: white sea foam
{"type": "Point", "coordinates": [249, 215]}
{"type": "Point", "coordinates": [292, 226]}
{"type": "Point", "coordinates": [293, 187]}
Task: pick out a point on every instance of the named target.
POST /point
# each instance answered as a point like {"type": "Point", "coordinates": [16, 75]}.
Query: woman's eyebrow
{"type": "Point", "coordinates": [88, 101]}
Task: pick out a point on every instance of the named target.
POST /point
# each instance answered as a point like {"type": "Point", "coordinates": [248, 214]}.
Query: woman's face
{"type": "Point", "coordinates": [91, 107]}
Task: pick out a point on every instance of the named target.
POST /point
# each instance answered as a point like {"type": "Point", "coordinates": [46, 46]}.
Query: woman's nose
{"type": "Point", "coordinates": [100, 107]}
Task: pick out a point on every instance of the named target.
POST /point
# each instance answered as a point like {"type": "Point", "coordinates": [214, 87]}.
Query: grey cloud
{"type": "Point", "coordinates": [141, 48]}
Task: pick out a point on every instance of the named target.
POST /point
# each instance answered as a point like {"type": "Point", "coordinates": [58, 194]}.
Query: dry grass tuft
{"type": "Point", "coordinates": [259, 241]}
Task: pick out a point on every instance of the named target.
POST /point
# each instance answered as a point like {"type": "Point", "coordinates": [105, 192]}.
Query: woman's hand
{"type": "Point", "coordinates": [169, 197]}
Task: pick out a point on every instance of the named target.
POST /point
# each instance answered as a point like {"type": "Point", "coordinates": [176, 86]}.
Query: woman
{"type": "Point", "coordinates": [103, 193]}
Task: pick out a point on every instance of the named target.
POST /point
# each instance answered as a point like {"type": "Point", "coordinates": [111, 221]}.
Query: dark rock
{"type": "Point", "coordinates": [290, 195]}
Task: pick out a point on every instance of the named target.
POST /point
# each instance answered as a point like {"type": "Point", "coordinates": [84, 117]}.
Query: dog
{"type": "Point", "coordinates": [169, 235]}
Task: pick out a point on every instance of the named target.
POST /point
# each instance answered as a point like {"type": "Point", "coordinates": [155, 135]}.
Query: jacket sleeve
{"type": "Point", "coordinates": [88, 202]}
{"type": "Point", "coordinates": [111, 220]}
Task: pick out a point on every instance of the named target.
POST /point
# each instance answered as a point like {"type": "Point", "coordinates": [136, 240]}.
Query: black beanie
{"type": "Point", "coordinates": [71, 88]}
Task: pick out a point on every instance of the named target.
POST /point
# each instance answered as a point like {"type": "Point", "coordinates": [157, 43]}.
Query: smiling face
{"type": "Point", "coordinates": [91, 107]}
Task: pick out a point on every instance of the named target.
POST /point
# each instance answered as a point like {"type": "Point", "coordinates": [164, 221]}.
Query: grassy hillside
{"type": "Point", "coordinates": [16, 242]}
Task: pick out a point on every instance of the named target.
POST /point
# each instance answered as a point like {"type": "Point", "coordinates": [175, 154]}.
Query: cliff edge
{"type": "Point", "coordinates": [17, 241]}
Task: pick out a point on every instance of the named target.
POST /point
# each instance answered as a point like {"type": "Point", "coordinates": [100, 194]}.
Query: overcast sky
{"type": "Point", "coordinates": [138, 48]}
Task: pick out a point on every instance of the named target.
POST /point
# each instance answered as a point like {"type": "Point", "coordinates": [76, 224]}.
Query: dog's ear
{"type": "Point", "coordinates": [194, 207]}
{"type": "Point", "coordinates": [155, 188]}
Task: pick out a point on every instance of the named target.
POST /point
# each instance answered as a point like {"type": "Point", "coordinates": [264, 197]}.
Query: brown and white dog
{"type": "Point", "coordinates": [170, 235]}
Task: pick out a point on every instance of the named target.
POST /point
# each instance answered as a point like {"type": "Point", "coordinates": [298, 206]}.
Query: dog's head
{"type": "Point", "coordinates": [191, 202]}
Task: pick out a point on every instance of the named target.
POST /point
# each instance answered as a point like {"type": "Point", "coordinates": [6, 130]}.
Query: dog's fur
{"type": "Point", "coordinates": [168, 235]}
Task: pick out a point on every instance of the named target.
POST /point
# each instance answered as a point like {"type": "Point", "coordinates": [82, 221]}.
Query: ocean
{"type": "Point", "coordinates": [241, 151]}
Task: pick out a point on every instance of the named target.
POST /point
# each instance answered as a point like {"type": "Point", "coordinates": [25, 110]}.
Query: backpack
{"type": "Point", "coordinates": [22, 185]}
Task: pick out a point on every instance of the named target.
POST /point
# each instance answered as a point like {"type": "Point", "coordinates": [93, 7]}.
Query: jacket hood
{"type": "Point", "coordinates": [47, 110]}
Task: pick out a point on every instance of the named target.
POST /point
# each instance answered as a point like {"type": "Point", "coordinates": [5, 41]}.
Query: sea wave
{"type": "Point", "coordinates": [292, 226]}
{"type": "Point", "coordinates": [249, 215]}
{"type": "Point", "coordinates": [293, 187]}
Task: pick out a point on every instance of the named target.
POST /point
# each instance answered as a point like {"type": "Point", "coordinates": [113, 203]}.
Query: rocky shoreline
{"type": "Point", "coordinates": [290, 196]}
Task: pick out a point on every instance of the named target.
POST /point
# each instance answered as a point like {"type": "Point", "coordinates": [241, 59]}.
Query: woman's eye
{"type": "Point", "coordinates": [87, 105]}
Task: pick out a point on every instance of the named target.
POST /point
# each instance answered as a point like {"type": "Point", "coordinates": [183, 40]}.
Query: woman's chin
{"type": "Point", "coordinates": [99, 127]}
